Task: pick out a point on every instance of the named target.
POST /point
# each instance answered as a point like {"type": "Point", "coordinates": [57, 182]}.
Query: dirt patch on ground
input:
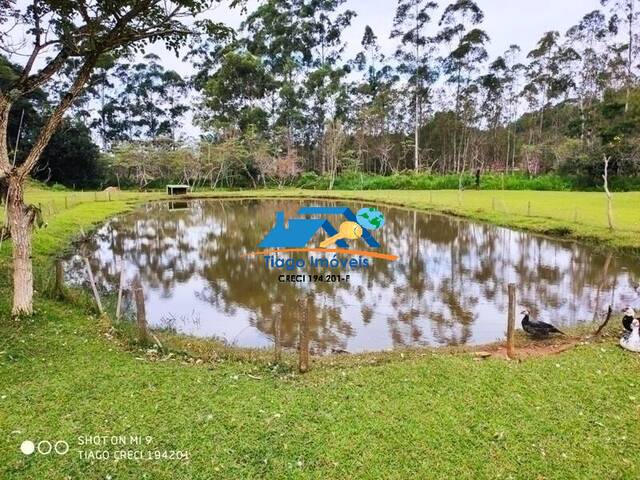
{"type": "Point", "coordinates": [536, 350]}
{"type": "Point", "coordinates": [531, 348]}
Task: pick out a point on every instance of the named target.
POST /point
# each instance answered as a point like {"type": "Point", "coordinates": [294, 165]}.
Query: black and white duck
{"type": "Point", "coordinates": [537, 328]}
{"type": "Point", "coordinates": [631, 341]}
{"type": "Point", "coordinates": [628, 315]}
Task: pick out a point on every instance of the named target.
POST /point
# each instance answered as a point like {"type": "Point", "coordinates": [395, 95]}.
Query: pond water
{"type": "Point", "coordinates": [448, 286]}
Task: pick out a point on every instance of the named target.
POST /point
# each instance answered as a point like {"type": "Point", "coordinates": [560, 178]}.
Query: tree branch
{"type": "Point", "coordinates": [56, 117]}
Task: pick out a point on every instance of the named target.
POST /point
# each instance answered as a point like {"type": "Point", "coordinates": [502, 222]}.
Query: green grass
{"type": "Point", "coordinates": [421, 415]}
{"type": "Point", "coordinates": [488, 181]}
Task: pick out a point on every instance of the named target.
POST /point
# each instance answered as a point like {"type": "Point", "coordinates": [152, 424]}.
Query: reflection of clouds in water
{"type": "Point", "coordinates": [448, 288]}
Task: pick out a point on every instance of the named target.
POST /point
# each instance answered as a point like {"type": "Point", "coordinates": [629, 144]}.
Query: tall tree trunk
{"type": "Point", "coordinates": [20, 219]}
{"type": "Point", "coordinates": [417, 137]}
{"type": "Point", "coordinates": [605, 177]}
{"type": "Point", "coordinates": [629, 56]}
{"type": "Point", "coordinates": [418, 85]}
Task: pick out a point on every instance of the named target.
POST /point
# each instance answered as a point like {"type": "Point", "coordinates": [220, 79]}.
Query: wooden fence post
{"type": "Point", "coordinates": [511, 321]}
{"type": "Point", "coordinates": [120, 288]}
{"type": "Point", "coordinates": [529, 208]}
{"type": "Point", "coordinates": [66, 202]}
{"type": "Point", "coordinates": [109, 195]}
{"type": "Point", "coordinates": [59, 286]}
{"type": "Point", "coordinates": [303, 342]}
{"type": "Point", "coordinates": [141, 315]}
{"type": "Point", "coordinates": [93, 286]}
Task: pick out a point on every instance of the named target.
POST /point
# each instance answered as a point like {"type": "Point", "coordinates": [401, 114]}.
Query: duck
{"type": "Point", "coordinates": [628, 315]}
{"type": "Point", "coordinates": [537, 328]}
{"type": "Point", "coordinates": [631, 341]}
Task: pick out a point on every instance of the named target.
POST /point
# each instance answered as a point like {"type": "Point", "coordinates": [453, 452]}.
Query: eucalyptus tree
{"type": "Point", "coordinates": [494, 87]}
{"type": "Point", "coordinates": [298, 40]}
{"type": "Point", "coordinates": [374, 101]}
{"type": "Point", "coordinates": [513, 80]}
{"type": "Point", "coordinates": [589, 39]}
{"type": "Point", "coordinates": [325, 86]}
{"type": "Point", "coordinates": [415, 55]}
{"type": "Point", "coordinates": [136, 100]}
{"type": "Point", "coordinates": [233, 95]}
{"type": "Point", "coordinates": [151, 98]}
{"type": "Point", "coordinates": [549, 74]}
{"type": "Point", "coordinates": [466, 55]}
{"type": "Point", "coordinates": [624, 20]}
{"type": "Point", "coordinates": [59, 31]}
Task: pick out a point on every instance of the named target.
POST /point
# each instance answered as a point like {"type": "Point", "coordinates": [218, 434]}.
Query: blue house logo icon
{"type": "Point", "coordinates": [299, 231]}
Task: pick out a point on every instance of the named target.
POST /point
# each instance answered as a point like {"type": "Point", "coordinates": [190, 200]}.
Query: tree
{"type": "Point", "coordinates": [549, 73]}
{"type": "Point", "coordinates": [70, 158]}
{"type": "Point", "coordinates": [464, 60]}
{"type": "Point", "coordinates": [233, 94]}
{"type": "Point", "coordinates": [412, 16]}
{"type": "Point", "coordinates": [138, 101]}
{"type": "Point", "coordinates": [625, 15]}
{"type": "Point", "coordinates": [588, 40]}
{"type": "Point", "coordinates": [373, 98]}
{"type": "Point", "coordinates": [294, 38]}
{"type": "Point", "coordinates": [83, 31]}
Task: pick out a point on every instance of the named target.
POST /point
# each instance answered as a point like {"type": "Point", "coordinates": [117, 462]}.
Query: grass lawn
{"type": "Point", "coordinates": [424, 415]}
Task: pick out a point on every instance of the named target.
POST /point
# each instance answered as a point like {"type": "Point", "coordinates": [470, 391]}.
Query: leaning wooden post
{"type": "Point", "coordinates": [59, 287]}
{"type": "Point", "coordinates": [121, 287]}
{"type": "Point", "coordinates": [303, 342]}
{"type": "Point", "coordinates": [109, 195]}
{"type": "Point", "coordinates": [141, 315]}
{"type": "Point", "coordinates": [511, 321]}
{"type": "Point", "coordinates": [93, 286]}
{"type": "Point", "coordinates": [606, 321]}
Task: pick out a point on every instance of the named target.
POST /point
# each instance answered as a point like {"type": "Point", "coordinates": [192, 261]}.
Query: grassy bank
{"type": "Point", "coordinates": [429, 415]}
{"type": "Point", "coordinates": [488, 181]}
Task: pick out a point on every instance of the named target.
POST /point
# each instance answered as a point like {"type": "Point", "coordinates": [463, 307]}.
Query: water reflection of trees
{"type": "Point", "coordinates": [448, 269]}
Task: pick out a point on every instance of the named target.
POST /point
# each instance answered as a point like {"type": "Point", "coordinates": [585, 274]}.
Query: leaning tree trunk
{"type": "Point", "coordinates": [20, 219]}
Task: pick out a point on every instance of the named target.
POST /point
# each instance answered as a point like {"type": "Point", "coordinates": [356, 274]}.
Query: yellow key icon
{"type": "Point", "coordinates": [347, 231]}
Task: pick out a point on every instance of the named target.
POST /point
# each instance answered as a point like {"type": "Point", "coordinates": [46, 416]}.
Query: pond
{"type": "Point", "coordinates": [447, 287]}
